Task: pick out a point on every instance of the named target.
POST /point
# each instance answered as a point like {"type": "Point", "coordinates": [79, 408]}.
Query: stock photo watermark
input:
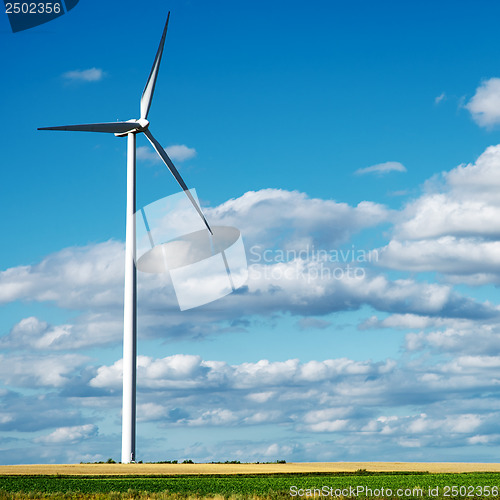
{"type": "Point", "coordinates": [26, 15]}
{"type": "Point", "coordinates": [363, 491]}
{"type": "Point", "coordinates": [309, 263]}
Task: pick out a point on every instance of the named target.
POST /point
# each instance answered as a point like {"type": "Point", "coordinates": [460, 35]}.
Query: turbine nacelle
{"type": "Point", "coordinates": [142, 125]}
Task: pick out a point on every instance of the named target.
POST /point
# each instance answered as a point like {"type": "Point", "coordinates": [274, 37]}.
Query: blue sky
{"type": "Point", "coordinates": [361, 126]}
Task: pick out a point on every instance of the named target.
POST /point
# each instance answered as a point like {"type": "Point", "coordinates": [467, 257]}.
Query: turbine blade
{"type": "Point", "coordinates": [112, 127]}
{"type": "Point", "coordinates": [147, 94]}
{"type": "Point", "coordinates": [175, 173]}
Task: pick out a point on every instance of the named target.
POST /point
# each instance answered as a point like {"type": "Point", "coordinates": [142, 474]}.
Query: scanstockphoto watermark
{"type": "Point", "coordinates": [309, 263]}
{"type": "Point", "coordinates": [359, 491]}
{"type": "Point", "coordinates": [363, 491]}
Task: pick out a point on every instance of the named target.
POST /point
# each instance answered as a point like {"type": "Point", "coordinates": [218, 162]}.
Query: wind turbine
{"type": "Point", "coordinates": [129, 129]}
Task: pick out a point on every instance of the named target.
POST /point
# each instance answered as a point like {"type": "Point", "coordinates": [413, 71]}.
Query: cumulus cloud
{"type": "Point", "coordinates": [349, 399]}
{"type": "Point", "coordinates": [382, 168]}
{"type": "Point", "coordinates": [359, 404]}
{"type": "Point", "coordinates": [303, 289]}
{"type": "Point", "coordinates": [75, 277]}
{"type": "Point", "coordinates": [440, 214]}
{"type": "Point", "coordinates": [192, 373]}
{"type": "Point", "coordinates": [69, 435]}
{"type": "Point", "coordinates": [176, 152]}
{"type": "Point", "coordinates": [292, 220]}
{"type": "Point", "coordinates": [94, 329]}
{"type": "Point", "coordinates": [33, 371]}
{"type": "Point", "coordinates": [90, 278]}
{"type": "Point", "coordinates": [167, 372]}
{"type": "Point", "coordinates": [35, 333]}
{"type": "Point", "coordinates": [451, 228]}
{"type": "Point", "coordinates": [436, 395]}
{"type": "Point", "coordinates": [485, 104]}
{"type": "Point", "coordinates": [175, 393]}
{"type": "Point", "coordinates": [86, 75]}
{"type": "Point", "coordinates": [454, 337]}
{"type": "Point", "coordinates": [448, 254]}
{"type": "Point", "coordinates": [180, 152]}
{"type": "Point", "coordinates": [464, 203]}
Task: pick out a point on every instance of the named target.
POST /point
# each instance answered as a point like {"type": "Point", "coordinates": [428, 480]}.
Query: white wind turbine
{"type": "Point", "coordinates": [121, 129]}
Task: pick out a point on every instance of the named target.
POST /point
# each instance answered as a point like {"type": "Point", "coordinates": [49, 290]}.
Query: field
{"type": "Point", "coordinates": [273, 468]}
{"type": "Point", "coordinates": [257, 481]}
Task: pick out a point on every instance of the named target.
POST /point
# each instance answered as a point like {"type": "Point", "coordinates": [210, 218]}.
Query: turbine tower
{"type": "Point", "coordinates": [129, 129]}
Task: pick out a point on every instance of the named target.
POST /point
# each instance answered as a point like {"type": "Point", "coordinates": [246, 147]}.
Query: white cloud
{"type": "Point", "coordinates": [425, 426]}
{"type": "Point", "coordinates": [382, 168]}
{"type": "Point", "coordinates": [76, 277]}
{"type": "Point", "coordinates": [479, 439]}
{"type": "Point", "coordinates": [271, 217]}
{"type": "Point", "coordinates": [38, 334]}
{"type": "Point", "coordinates": [180, 152]}
{"type": "Point", "coordinates": [481, 178]}
{"type": "Point", "coordinates": [86, 75]}
{"type": "Point", "coordinates": [261, 397]}
{"type": "Point", "coordinates": [439, 98]}
{"type": "Point", "coordinates": [33, 371]}
{"type": "Point", "coordinates": [151, 411]}
{"type": "Point", "coordinates": [448, 254]}
{"type": "Point", "coordinates": [329, 426]}
{"type": "Point", "coordinates": [192, 372]}
{"type": "Point", "coordinates": [95, 329]}
{"type": "Point", "coordinates": [177, 153]}
{"type": "Point", "coordinates": [69, 435]}
{"type": "Point", "coordinates": [327, 415]}
{"type": "Point", "coordinates": [263, 417]}
{"type": "Point", "coordinates": [167, 372]}
{"type": "Point", "coordinates": [465, 203]}
{"type": "Point", "coordinates": [451, 228]}
{"type": "Point", "coordinates": [147, 153]}
{"type": "Point", "coordinates": [485, 104]}
{"type": "Point", "coordinates": [403, 321]}
{"type": "Point", "coordinates": [219, 416]}
{"type": "Point", "coordinates": [456, 336]}
{"type": "Point", "coordinates": [440, 214]}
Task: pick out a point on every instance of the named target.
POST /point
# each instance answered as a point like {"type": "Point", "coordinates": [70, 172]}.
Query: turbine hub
{"type": "Point", "coordinates": [143, 123]}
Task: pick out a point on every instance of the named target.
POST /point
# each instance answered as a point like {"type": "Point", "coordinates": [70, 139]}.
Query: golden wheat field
{"type": "Point", "coordinates": [172, 469]}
